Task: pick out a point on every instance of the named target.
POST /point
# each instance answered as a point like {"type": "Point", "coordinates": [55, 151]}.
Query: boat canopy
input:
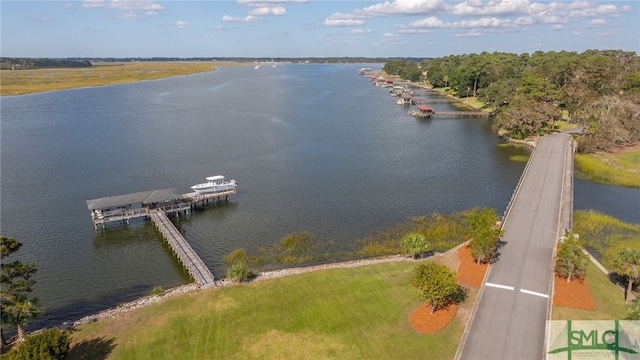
{"type": "Point", "coordinates": [214, 178]}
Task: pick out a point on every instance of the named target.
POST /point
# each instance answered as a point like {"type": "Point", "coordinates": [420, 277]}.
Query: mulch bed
{"type": "Point", "coordinates": [574, 294]}
{"type": "Point", "coordinates": [424, 322]}
{"type": "Point", "coordinates": [470, 273]}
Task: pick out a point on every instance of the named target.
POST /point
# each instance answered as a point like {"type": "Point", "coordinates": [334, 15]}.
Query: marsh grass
{"type": "Point", "coordinates": [17, 82]}
{"type": "Point", "coordinates": [357, 313]}
{"type": "Point", "coordinates": [605, 235]}
{"type": "Point", "coordinates": [607, 298]}
{"type": "Point", "coordinates": [614, 169]}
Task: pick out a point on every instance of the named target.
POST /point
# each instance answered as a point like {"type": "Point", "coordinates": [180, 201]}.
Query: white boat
{"type": "Point", "coordinates": [257, 67]}
{"type": "Point", "coordinates": [215, 184]}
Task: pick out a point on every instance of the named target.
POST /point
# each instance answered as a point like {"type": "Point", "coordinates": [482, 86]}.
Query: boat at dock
{"type": "Point", "coordinates": [215, 184]}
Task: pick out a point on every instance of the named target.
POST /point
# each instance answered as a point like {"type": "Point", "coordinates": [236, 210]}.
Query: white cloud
{"type": "Point", "coordinates": [492, 7]}
{"type": "Point", "coordinates": [268, 11]}
{"type": "Point", "coordinates": [596, 23]}
{"type": "Point", "coordinates": [470, 33]}
{"type": "Point", "coordinates": [129, 16]}
{"type": "Point", "coordinates": [557, 27]}
{"type": "Point", "coordinates": [402, 7]}
{"type": "Point", "coordinates": [40, 18]}
{"type": "Point", "coordinates": [390, 35]}
{"type": "Point", "coordinates": [269, 2]}
{"type": "Point", "coordinates": [95, 29]}
{"type": "Point", "coordinates": [151, 13]}
{"type": "Point", "coordinates": [343, 22]}
{"type": "Point", "coordinates": [248, 18]}
{"type": "Point", "coordinates": [491, 15]}
{"type": "Point", "coordinates": [123, 4]}
{"type": "Point", "coordinates": [67, 5]}
{"type": "Point", "coordinates": [430, 22]}
{"type": "Point", "coordinates": [181, 24]}
{"type": "Point", "coordinates": [360, 31]}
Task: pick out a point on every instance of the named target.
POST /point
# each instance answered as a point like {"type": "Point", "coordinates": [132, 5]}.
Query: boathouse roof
{"type": "Point", "coordinates": [425, 108]}
{"type": "Point", "coordinates": [145, 197]}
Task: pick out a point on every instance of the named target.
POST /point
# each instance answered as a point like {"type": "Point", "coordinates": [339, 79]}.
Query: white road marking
{"type": "Point", "coordinates": [506, 287]}
{"type": "Point", "coordinates": [534, 293]}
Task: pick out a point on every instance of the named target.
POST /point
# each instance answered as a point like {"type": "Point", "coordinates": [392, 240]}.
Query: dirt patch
{"type": "Point", "coordinates": [574, 294]}
{"type": "Point", "coordinates": [424, 322]}
{"type": "Point", "coordinates": [470, 273]}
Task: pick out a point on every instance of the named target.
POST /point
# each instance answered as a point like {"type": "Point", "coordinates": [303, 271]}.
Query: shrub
{"type": "Point", "coordinates": [48, 344]}
{"type": "Point", "coordinates": [157, 291]}
{"type": "Point", "coordinates": [414, 244]}
{"type": "Point", "coordinates": [634, 310]}
{"type": "Point", "coordinates": [570, 260]}
{"type": "Point", "coordinates": [239, 273]}
{"type": "Point", "coordinates": [438, 285]}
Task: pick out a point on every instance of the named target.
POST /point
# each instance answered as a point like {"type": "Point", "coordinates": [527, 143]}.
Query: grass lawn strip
{"type": "Point", "coordinates": [363, 312]}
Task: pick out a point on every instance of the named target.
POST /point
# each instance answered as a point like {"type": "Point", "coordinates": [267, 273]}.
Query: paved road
{"type": "Point", "coordinates": [509, 321]}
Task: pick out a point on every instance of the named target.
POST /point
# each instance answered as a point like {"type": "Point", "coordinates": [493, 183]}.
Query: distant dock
{"type": "Point", "coordinates": [155, 205]}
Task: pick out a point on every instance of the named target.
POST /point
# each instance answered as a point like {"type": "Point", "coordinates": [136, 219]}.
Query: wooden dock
{"type": "Point", "coordinates": [155, 205]}
{"type": "Point", "coordinates": [459, 114]}
{"type": "Point", "coordinates": [185, 253]}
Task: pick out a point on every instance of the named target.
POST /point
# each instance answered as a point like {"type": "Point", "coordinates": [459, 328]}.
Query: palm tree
{"type": "Point", "coordinates": [627, 263]}
{"type": "Point", "coordinates": [18, 310]}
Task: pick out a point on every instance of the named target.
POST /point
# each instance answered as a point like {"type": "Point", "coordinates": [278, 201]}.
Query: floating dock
{"type": "Point", "coordinates": [155, 205]}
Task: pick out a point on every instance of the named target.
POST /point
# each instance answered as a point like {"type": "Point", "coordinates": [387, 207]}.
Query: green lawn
{"type": "Point", "coordinates": [357, 313]}
{"type": "Point", "coordinates": [607, 297]}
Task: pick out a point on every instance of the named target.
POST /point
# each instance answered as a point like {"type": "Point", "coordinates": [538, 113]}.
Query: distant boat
{"type": "Point", "coordinates": [257, 67]}
{"type": "Point", "coordinates": [214, 184]}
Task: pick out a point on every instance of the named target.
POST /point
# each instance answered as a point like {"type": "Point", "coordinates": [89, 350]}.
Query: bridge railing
{"type": "Point", "coordinates": [517, 190]}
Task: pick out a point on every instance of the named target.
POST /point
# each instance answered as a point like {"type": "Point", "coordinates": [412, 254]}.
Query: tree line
{"type": "Point", "coordinates": [41, 63]}
{"type": "Point", "coordinates": [528, 93]}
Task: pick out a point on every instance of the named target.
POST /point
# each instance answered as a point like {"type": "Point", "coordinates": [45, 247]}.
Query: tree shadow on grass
{"type": "Point", "coordinates": [94, 349]}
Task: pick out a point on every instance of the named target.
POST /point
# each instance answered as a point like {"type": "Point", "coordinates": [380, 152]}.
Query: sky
{"type": "Point", "coordinates": [313, 28]}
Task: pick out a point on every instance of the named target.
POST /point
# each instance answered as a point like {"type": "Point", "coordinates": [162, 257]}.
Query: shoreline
{"type": "Point", "coordinates": [192, 287]}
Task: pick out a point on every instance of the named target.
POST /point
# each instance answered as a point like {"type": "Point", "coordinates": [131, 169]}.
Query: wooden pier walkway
{"type": "Point", "coordinates": [185, 253]}
{"type": "Point", "coordinates": [461, 114]}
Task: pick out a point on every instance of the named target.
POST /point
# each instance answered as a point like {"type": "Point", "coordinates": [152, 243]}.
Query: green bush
{"type": "Point", "coordinates": [414, 244]}
{"type": "Point", "coordinates": [633, 310]}
{"type": "Point", "coordinates": [239, 273]}
{"type": "Point", "coordinates": [49, 344]}
{"type": "Point", "coordinates": [438, 284]}
{"type": "Point", "coordinates": [570, 260]}
{"type": "Point", "coordinates": [157, 291]}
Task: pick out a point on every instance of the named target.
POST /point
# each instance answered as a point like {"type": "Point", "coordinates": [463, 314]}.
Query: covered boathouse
{"type": "Point", "coordinates": [129, 206]}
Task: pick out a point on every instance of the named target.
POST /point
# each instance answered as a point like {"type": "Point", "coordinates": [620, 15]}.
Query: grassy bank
{"type": "Point", "coordinates": [340, 313]}
{"type": "Point", "coordinates": [605, 235]}
{"type": "Point", "coordinates": [607, 298]}
{"type": "Point", "coordinates": [621, 169]}
{"type": "Point", "coordinates": [17, 82]}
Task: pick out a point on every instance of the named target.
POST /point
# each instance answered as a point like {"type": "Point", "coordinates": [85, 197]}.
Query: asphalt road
{"type": "Point", "coordinates": [509, 320]}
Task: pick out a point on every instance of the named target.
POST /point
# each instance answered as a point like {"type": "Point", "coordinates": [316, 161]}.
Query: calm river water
{"type": "Point", "coordinates": [313, 147]}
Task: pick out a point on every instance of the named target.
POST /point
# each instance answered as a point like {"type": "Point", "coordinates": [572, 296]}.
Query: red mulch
{"type": "Point", "coordinates": [424, 322]}
{"type": "Point", "coordinates": [470, 273]}
{"type": "Point", "coordinates": [574, 294]}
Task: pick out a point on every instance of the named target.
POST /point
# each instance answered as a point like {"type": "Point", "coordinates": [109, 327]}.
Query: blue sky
{"type": "Point", "coordinates": [313, 28]}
